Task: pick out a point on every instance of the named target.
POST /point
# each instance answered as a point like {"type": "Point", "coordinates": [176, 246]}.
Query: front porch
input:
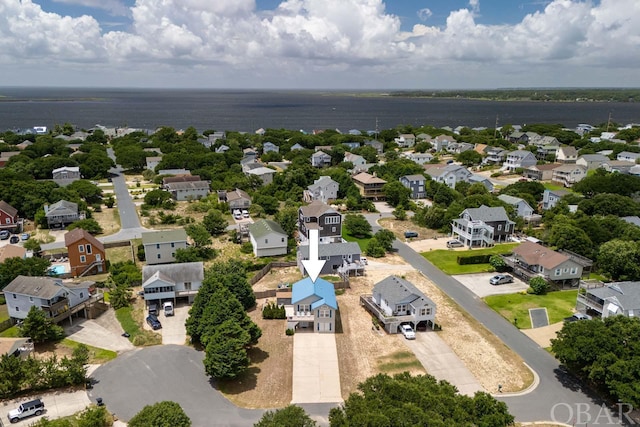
{"type": "Point", "coordinates": [390, 323]}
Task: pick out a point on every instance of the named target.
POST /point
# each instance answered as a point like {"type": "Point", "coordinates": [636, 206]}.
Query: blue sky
{"type": "Point", "coordinates": [320, 44]}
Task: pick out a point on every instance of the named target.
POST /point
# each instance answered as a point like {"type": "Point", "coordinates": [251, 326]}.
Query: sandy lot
{"type": "Point", "coordinates": [543, 336]}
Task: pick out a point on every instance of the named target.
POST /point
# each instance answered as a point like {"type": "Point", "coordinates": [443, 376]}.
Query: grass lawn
{"type": "Point", "coordinates": [137, 335]}
{"type": "Point", "coordinates": [446, 260]}
{"type": "Point", "coordinates": [559, 304]}
{"type": "Point", "coordinates": [4, 313]}
{"type": "Point", "coordinates": [398, 362]}
{"type": "Point", "coordinates": [96, 355]}
{"type": "Point", "coordinates": [362, 242]}
{"type": "Point", "coordinates": [120, 254]}
{"type": "Point", "coordinates": [554, 187]}
{"type": "Point", "coordinates": [12, 332]}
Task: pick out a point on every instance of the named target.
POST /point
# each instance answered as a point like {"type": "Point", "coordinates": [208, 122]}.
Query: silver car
{"type": "Point", "coordinates": [500, 279]}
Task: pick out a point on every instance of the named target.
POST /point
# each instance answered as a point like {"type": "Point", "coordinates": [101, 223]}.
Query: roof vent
{"type": "Point", "coordinates": [616, 288]}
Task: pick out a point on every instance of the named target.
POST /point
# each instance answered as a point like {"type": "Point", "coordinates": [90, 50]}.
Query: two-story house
{"type": "Point", "coordinates": [483, 226]}
{"type": "Point", "coordinates": [406, 140]}
{"type": "Point", "coordinates": [495, 155]}
{"type": "Point", "coordinates": [61, 213]}
{"type": "Point", "coordinates": [370, 186]}
{"type": "Point", "coordinates": [267, 238]}
{"type": "Point", "coordinates": [264, 173]}
{"type": "Point", "coordinates": [320, 159]}
{"type": "Point", "coordinates": [57, 299]}
{"type": "Point", "coordinates": [153, 162]}
{"type": "Point", "coordinates": [269, 147]}
{"type": "Point", "coordinates": [441, 142]}
{"type": "Point", "coordinates": [628, 156]}
{"type": "Point", "coordinates": [550, 198]}
{"type": "Point", "coordinates": [567, 154]}
{"type": "Point", "coordinates": [238, 199]}
{"type": "Point", "coordinates": [172, 282]}
{"type": "Point", "coordinates": [313, 306]}
{"type": "Point", "coordinates": [519, 159]}
{"type": "Point", "coordinates": [8, 216]}
{"type": "Point", "coordinates": [323, 189]}
{"type": "Point", "coordinates": [568, 174]}
{"type": "Point", "coordinates": [417, 185]}
{"type": "Point", "coordinates": [356, 160]}
{"type": "Point", "coordinates": [66, 175]}
{"type": "Point", "coordinates": [160, 246]}
{"type": "Point", "coordinates": [322, 217]}
{"type": "Point", "coordinates": [189, 190]}
{"type": "Point", "coordinates": [379, 146]}
{"type": "Point", "coordinates": [419, 158]}
{"type": "Point", "coordinates": [396, 301]}
{"type": "Point", "coordinates": [591, 161]}
{"type": "Point", "coordinates": [339, 257]}
{"type": "Point", "coordinates": [611, 299]}
{"type": "Point", "coordinates": [521, 207]}
{"type": "Point", "coordinates": [540, 172]}
{"type": "Point", "coordinates": [531, 259]}
{"type": "Point", "coordinates": [449, 175]}
{"type": "Point", "coordinates": [86, 253]}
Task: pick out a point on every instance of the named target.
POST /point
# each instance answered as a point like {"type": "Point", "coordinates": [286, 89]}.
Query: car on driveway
{"type": "Point", "coordinates": [25, 236]}
{"type": "Point", "coordinates": [410, 234]}
{"type": "Point", "coordinates": [26, 409]}
{"type": "Point", "coordinates": [408, 332]}
{"type": "Point", "coordinates": [578, 316]}
{"type": "Point", "coordinates": [454, 244]}
{"type": "Point", "coordinates": [501, 279]}
{"type": "Point", "coordinates": [4, 235]}
{"type": "Point", "coordinates": [14, 239]}
{"type": "Point", "coordinates": [152, 320]}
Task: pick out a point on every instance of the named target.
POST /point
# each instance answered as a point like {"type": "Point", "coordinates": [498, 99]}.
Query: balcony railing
{"type": "Point", "coordinates": [370, 304]}
{"type": "Point", "coordinates": [301, 316]}
{"type": "Point", "coordinates": [56, 306]}
{"type": "Point", "coordinates": [590, 302]}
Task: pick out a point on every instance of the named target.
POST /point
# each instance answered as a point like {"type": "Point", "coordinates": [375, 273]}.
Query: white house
{"type": "Point", "coordinates": [160, 246]}
{"type": "Point", "coordinates": [449, 175]}
{"type": "Point", "coordinates": [172, 281]}
{"type": "Point", "coordinates": [267, 238]}
{"type": "Point", "coordinates": [324, 189]}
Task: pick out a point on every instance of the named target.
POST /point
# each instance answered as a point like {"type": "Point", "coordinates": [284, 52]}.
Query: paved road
{"type": "Point", "coordinates": [554, 388]}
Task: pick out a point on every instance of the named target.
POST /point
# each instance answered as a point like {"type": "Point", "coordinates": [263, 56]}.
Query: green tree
{"type": "Point", "coordinates": [88, 224]}
{"type": "Point", "coordinates": [417, 401]}
{"type": "Point", "coordinates": [498, 263]}
{"type": "Point", "coordinates": [386, 239]}
{"type": "Point", "coordinates": [289, 416]}
{"type": "Point", "coordinates": [14, 267]}
{"type": "Point", "coordinates": [233, 275]}
{"type": "Point", "coordinates": [620, 259]}
{"type": "Point", "coordinates": [269, 203]}
{"type": "Point", "coordinates": [396, 194]}
{"type": "Point", "coordinates": [469, 158]}
{"type": "Point", "coordinates": [199, 234]}
{"type": "Point", "coordinates": [86, 190]}
{"type": "Point", "coordinates": [400, 214]}
{"type": "Point", "coordinates": [157, 198]}
{"type": "Point", "coordinates": [565, 235]}
{"type": "Point", "coordinates": [125, 273]}
{"type": "Point", "coordinates": [287, 217]}
{"type": "Point", "coordinates": [39, 327]}
{"type": "Point", "coordinates": [226, 352]}
{"type": "Point", "coordinates": [161, 414]}
{"type": "Point", "coordinates": [12, 375]}
{"type": "Point", "coordinates": [374, 248]}
{"type": "Point", "coordinates": [357, 225]}
{"type": "Point", "coordinates": [538, 285]}
{"type": "Point", "coordinates": [33, 245]}
{"type": "Point", "coordinates": [215, 223]}
{"type": "Point", "coordinates": [119, 296]}
{"type": "Point", "coordinates": [94, 416]}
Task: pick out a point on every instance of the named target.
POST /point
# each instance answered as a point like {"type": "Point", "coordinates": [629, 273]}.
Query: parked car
{"type": "Point", "coordinates": [26, 409]}
{"type": "Point", "coordinates": [14, 239]}
{"type": "Point", "coordinates": [153, 308]}
{"type": "Point", "coordinates": [454, 244]}
{"type": "Point", "coordinates": [501, 279]}
{"type": "Point", "coordinates": [245, 213]}
{"type": "Point", "coordinates": [4, 234]}
{"type": "Point", "coordinates": [25, 236]}
{"type": "Point", "coordinates": [578, 316]}
{"type": "Point", "coordinates": [167, 307]}
{"type": "Point", "coordinates": [152, 320]}
{"type": "Point", "coordinates": [408, 332]}
{"type": "Point", "coordinates": [410, 234]}
{"type": "Point", "coordinates": [237, 214]}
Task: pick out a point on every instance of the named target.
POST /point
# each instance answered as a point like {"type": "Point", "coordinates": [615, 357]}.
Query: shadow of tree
{"type": "Point", "coordinates": [257, 355]}
{"type": "Point", "coordinates": [247, 381]}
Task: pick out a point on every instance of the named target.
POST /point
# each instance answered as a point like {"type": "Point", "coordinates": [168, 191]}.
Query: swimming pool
{"type": "Point", "coordinates": [56, 270]}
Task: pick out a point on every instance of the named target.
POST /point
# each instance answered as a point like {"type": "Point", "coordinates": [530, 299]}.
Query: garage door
{"type": "Point", "coordinates": [323, 327]}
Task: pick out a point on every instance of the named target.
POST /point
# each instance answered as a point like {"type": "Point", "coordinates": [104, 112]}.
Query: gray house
{"type": "Point", "coordinates": [610, 299]}
{"type": "Point", "coordinates": [395, 301]}
{"type": "Point", "coordinates": [339, 256]}
{"type": "Point", "coordinates": [61, 213]}
{"type": "Point", "coordinates": [172, 281]}
{"type": "Point", "coordinates": [319, 216]}
{"type": "Point", "coordinates": [238, 199]}
{"type": "Point", "coordinates": [268, 147]}
{"type": "Point", "coordinates": [267, 238]}
{"type": "Point", "coordinates": [188, 190]}
{"type": "Point", "coordinates": [160, 246]}
{"type": "Point", "coordinates": [264, 173]}
{"type": "Point", "coordinates": [57, 299]}
{"type": "Point", "coordinates": [320, 159]}
{"type": "Point", "coordinates": [66, 175]}
{"type": "Point", "coordinates": [519, 159]}
{"type": "Point", "coordinates": [591, 161]}
{"type": "Point", "coordinates": [475, 178]}
{"type": "Point", "coordinates": [415, 183]}
{"type": "Point", "coordinates": [323, 189]}
{"type": "Point", "coordinates": [550, 198]}
{"type": "Point", "coordinates": [313, 306]}
{"type": "Point", "coordinates": [522, 208]}
{"type": "Point", "coordinates": [406, 140]}
{"type": "Point", "coordinates": [419, 158]}
{"type": "Point", "coordinates": [449, 175]}
{"type": "Point", "coordinates": [483, 226]}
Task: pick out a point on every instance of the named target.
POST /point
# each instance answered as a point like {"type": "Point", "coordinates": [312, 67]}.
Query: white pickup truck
{"type": "Point", "coordinates": [167, 307]}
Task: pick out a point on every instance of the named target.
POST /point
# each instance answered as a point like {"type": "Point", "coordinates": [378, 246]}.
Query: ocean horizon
{"type": "Point", "coordinates": [307, 110]}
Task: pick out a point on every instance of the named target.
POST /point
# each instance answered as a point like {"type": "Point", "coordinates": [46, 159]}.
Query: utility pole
{"type": "Point", "coordinates": [609, 122]}
{"type": "Point", "coordinates": [495, 131]}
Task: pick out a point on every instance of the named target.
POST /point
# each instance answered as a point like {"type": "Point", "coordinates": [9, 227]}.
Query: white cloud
{"type": "Point", "coordinates": [329, 43]}
{"type": "Point", "coordinates": [424, 14]}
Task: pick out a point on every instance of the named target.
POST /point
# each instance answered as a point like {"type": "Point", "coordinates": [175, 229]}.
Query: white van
{"type": "Point", "coordinates": [168, 308]}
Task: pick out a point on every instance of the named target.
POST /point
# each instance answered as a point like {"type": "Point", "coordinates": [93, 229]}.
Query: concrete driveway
{"type": "Point", "coordinates": [441, 362]}
{"type": "Point", "coordinates": [57, 404]}
{"type": "Point", "coordinates": [103, 332]}
{"type": "Point", "coordinates": [173, 329]}
{"type": "Point", "coordinates": [479, 284]}
{"type": "Point", "coordinates": [316, 376]}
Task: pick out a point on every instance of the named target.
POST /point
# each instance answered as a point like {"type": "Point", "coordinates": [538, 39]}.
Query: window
{"type": "Point", "coordinates": [326, 313]}
{"type": "Point", "coordinates": [81, 248]}
{"type": "Point", "coordinates": [173, 245]}
{"type": "Point", "coordinates": [566, 270]}
{"type": "Point", "coordinates": [14, 296]}
{"type": "Point", "coordinates": [81, 294]}
{"type": "Point", "coordinates": [187, 286]}
{"type": "Point", "coordinates": [83, 259]}
{"type": "Point", "coordinates": [31, 299]}
{"type": "Point", "coordinates": [574, 270]}
{"type": "Point", "coordinates": [173, 254]}
{"type": "Point", "coordinates": [282, 240]}
{"type": "Point", "coordinates": [332, 220]}
{"type": "Point", "coordinates": [506, 227]}
{"type": "Point", "coordinates": [157, 245]}
{"type": "Point", "coordinates": [425, 311]}
{"type": "Point", "coordinates": [17, 308]}
{"type": "Point", "coordinates": [266, 240]}
{"type": "Point", "coordinates": [304, 307]}
{"type": "Point", "coordinates": [88, 248]}
{"type": "Point", "coordinates": [499, 227]}
{"type": "Point", "coordinates": [8, 220]}
{"type": "Point", "coordinates": [159, 255]}
{"type": "Point", "coordinates": [557, 271]}
{"type": "Point", "coordinates": [333, 229]}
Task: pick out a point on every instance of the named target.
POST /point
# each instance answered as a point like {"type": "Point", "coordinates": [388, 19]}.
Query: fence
{"type": "Point", "coordinates": [6, 325]}
{"type": "Point", "coordinates": [267, 268]}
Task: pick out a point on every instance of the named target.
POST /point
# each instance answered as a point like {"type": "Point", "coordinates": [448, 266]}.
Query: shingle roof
{"type": "Point", "coordinates": [535, 254]}
{"type": "Point", "coordinates": [190, 185]}
{"type": "Point", "coordinates": [236, 195]}
{"type": "Point", "coordinates": [11, 251]}
{"type": "Point", "coordinates": [512, 200]}
{"type": "Point", "coordinates": [316, 209]}
{"type": "Point", "coordinates": [264, 227]}
{"type": "Point", "coordinates": [487, 214]}
{"type": "Point", "coordinates": [321, 182]}
{"type": "Point", "coordinates": [627, 294]}
{"type": "Point", "coordinates": [164, 236]}
{"type": "Point", "coordinates": [62, 207]}
{"type": "Point", "coordinates": [332, 249]}
{"type": "Point", "coordinates": [183, 272]}
{"type": "Point", "coordinates": [41, 287]}
{"type": "Point", "coordinates": [415, 177]}
{"type": "Point", "coordinates": [396, 289]}
{"type": "Point", "coordinates": [76, 234]}
{"type": "Point", "coordinates": [366, 178]}
{"type": "Point", "coordinates": [8, 209]}
{"type": "Point", "coordinates": [321, 288]}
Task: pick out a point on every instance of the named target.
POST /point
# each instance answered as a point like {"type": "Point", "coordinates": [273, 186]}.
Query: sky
{"type": "Point", "coordinates": [320, 44]}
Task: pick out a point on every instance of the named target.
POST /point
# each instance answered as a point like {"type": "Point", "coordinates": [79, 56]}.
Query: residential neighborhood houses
{"type": "Point", "coordinates": [541, 201]}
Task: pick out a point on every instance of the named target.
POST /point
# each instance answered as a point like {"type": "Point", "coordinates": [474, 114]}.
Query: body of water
{"type": "Point", "coordinates": [304, 110]}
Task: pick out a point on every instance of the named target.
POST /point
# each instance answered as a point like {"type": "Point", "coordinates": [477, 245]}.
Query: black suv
{"type": "Point", "coordinates": [152, 320]}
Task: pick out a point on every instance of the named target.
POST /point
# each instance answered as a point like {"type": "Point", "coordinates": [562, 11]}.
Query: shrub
{"type": "Point", "coordinates": [246, 248]}
{"type": "Point", "coordinates": [498, 263]}
{"type": "Point", "coordinates": [141, 255]}
{"type": "Point", "coordinates": [289, 332]}
{"type": "Point", "coordinates": [538, 286]}
{"type": "Point", "coordinates": [272, 311]}
{"type": "Point", "coordinates": [474, 259]}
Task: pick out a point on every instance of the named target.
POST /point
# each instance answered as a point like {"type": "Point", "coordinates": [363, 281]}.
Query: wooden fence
{"type": "Point", "coordinates": [267, 268]}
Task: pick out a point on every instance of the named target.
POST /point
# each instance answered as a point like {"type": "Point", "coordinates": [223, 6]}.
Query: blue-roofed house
{"type": "Point", "coordinates": [313, 305]}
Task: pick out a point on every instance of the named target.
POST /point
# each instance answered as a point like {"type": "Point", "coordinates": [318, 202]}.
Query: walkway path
{"type": "Point", "coordinates": [316, 375]}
